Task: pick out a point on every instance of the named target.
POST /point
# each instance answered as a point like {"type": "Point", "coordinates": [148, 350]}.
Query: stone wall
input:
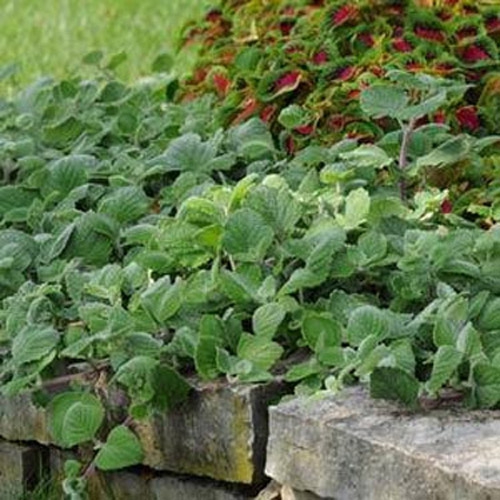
{"type": "Point", "coordinates": [214, 447]}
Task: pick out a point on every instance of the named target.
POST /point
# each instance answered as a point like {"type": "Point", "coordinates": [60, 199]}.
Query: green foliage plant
{"type": "Point", "coordinates": [145, 244]}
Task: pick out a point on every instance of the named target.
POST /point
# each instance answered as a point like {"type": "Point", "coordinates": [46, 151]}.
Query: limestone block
{"type": "Point", "coordinates": [120, 485]}
{"type": "Point", "coordinates": [175, 488]}
{"type": "Point", "coordinates": [21, 420]}
{"type": "Point", "coordinates": [221, 433]}
{"type": "Point", "coordinates": [288, 493]}
{"type": "Point", "coordinates": [351, 447]}
{"type": "Point", "coordinates": [21, 469]}
{"type": "Point", "coordinates": [276, 491]}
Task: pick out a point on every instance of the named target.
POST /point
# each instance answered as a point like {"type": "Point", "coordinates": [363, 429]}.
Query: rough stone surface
{"type": "Point", "coordinates": [32, 426]}
{"type": "Point", "coordinates": [176, 488]}
{"type": "Point", "coordinates": [351, 447]}
{"type": "Point", "coordinates": [288, 493]}
{"type": "Point", "coordinates": [221, 433]}
{"type": "Point", "coordinates": [20, 469]}
{"type": "Point", "coordinates": [276, 491]}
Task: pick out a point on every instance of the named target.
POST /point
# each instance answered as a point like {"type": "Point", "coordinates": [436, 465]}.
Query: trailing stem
{"type": "Point", "coordinates": [403, 155]}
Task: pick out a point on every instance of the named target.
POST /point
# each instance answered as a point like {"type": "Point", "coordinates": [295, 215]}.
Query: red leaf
{"type": "Point", "coordinates": [377, 71]}
{"type": "Point", "coordinates": [474, 53]}
{"type": "Point", "coordinates": [440, 117]}
{"type": "Point", "coordinates": [468, 118]}
{"type": "Point", "coordinates": [288, 80]}
{"type": "Point", "coordinates": [266, 115]}
{"type": "Point", "coordinates": [401, 45]}
{"type": "Point", "coordinates": [304, 129]}
{"type": "Point", "coordinates": [222, 83]}
{"type": "Point", "coordinates": [344, 14]}
{"type": "Point", "coordinates": [344, 74]}
{"type": "Point", "coordinates": [286, 27]}
{"type": "Point", "coordinates": [446, 207]}
{"type": "Point", "coordinates": [444, 68]}
{"type": "Point", "coordinates": [413, 66]}
{"type": "Point", "coordinates": [290, 145]}
{"type": "Point", "coordinates": [354, 94]}
{"type": "Point", "coordinates": [470, 10]}
{"type": "Point", "coordinates": [250, 107]}
{"type": "Point", "coordinates": [320, 57]}
{"type": "Point", "coordinates": [469, 31]}
{"type": "Point", "coordinates": [337, 122]}
{"type": "Point", "coordinates": [398, 31]}
{"type": "Point", "coordinates": [493, 24]}
{"type": "Point", "coordinates": [432, 34]}
{"type": "Point", "coordinates": [445, 15]}
{"type": "Point", "coordinates": [366, 39]}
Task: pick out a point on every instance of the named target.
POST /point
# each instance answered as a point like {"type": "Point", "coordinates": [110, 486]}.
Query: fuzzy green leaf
{"type": "Point", "coordinates": [396, 384]}
{"type": "Point", "coordinates": [365, 321]}
{"type": "Point", "coordinates": [81, 422]}
{"type": "Point", "coordinates": [487, 385]}
{"type": "Point", "coordinates": [451, 152]}
{"type": "Point", "coordinates": [246, 236]}
{"type": "Point", "coordinates": [267, 318]}
{"type": "Point", "coordinates": [33, 343]}
{"type": "Point", "coordinates": [446, 361]}
{"type": "Point", "coordinates": [122, 449]}
{"type": "Point", "coordinates": [74, 417]}
{"type": "Point", "coordinates": [382, 100]}
{"type": "Point", "coordinates": [357, 208]}
{"type": "Point", "coordinates": [211, 337]}
{"type": "Point", "coordinates": [260, 351]}
{"type": "Point", "coordinates": [163, 299]}
{"type": "Point", "coordinates": [321, 328]}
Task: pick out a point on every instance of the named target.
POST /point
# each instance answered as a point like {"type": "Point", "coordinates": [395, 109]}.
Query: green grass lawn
{"type": "Point", "coordinates": [51, 37]}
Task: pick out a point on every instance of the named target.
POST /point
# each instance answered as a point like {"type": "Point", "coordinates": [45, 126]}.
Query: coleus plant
{"type": "Point", "coordinates": [259, 57]}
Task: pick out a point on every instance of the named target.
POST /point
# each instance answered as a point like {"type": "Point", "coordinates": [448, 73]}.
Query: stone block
{"type": "Point", "coordinates": [120, 485]}
{"type": "Point", "coordinates": [220, 432]}
{"type": "Point", "coordinates": [176, 488]}
{"type": "Point", "coordinates": [21, 468]}
{"type": "Point", "coordinates": [288, 493]}
{"type": "Point", "coordinates": [21, 420]}
{"type": "Point", "coordinates": [351, 447]}
{"type": "Point", "coordinates": [141, 483]}
{"type": "Point", "coordinates": [276, 491]}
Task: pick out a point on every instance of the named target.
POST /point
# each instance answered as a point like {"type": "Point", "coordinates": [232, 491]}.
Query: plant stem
{"type": "Point", "coordinates": [403, 155]}
{"type": "Point", "coordinates": [85, 375]}
{"type": "Point", "coordinates": [65, 379]}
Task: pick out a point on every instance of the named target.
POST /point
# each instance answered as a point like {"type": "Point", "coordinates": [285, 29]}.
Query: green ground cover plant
{"type": "Point", "coordinates": [147, 241]}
